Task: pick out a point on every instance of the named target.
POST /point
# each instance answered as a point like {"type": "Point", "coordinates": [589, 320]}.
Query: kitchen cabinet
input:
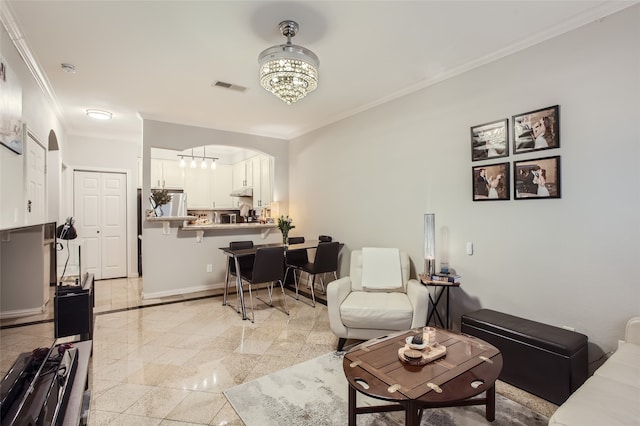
{"type": "Point", "coordinates": [207, 189]}
{"type": "Point", "coordinates": [167, 174]}
{"type": "Point", "coordinates": [221, 186]}
{"type": "Point", "coordinates": [261, 181]}
{"type": "Point", "coordinates": [257, 173]}
{"type": "Point", "coordinates": [198, 188]}
{"type": "Point", "coordinates": [243, 174]}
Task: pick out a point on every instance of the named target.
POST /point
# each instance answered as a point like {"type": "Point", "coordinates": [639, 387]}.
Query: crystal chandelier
{"type": "Point", "coordinates": [289, 71]}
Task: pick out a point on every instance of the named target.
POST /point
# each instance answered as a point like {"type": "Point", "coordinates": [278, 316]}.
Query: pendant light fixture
{"type": "Point", "coordinates": [203, 165]}
{"type": "Point", "coordinates": [288, 71]}
{"type": "Point", "coordinates": [193, 160]}
{"type": "Point", "coordinates": [193, 164]}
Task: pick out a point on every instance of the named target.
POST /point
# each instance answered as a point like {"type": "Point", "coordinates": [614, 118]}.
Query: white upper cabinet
{"type": "Point", "coordinates": [261, 178]}
{"type": "Point", "coordinates": [266, 181]}
{"type": "Point", "coordinates": [167, 174]}
{"type": "Point", "coordinates": [221, 187]}
{"type": "Point", "coordinates": [198, 188]}
{"type": "Point", "coordinates": [173, 174]}
{"type": "Point", "coordinates": [209, 189]}
{"type": "Point", "coordinates": [257, 183]}
{"type": "Point", "coordinates": [243, 174]}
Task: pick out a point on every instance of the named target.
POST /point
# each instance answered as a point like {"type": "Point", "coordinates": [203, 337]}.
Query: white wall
{"type": "Point", "coordinates": [41, 119]}
{"type": "Point", "coordinates": [107, 155]}
{"type": "Point", "coordinates": [22, 264]}
{"type": "Point", "coordinates": [572, 261]}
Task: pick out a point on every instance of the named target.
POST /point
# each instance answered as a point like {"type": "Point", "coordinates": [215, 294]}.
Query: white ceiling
{"type": "Point", "coordinates": [159, 59]}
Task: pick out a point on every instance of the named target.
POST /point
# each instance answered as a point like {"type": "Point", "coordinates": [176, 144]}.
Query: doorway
{"type": "Point", "coordinates": [35, 166]}
{"type": "Point", "coordinates": [100, 209]}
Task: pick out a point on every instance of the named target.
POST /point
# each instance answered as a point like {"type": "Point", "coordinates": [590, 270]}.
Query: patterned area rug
{"type": "Point", "coordinates": [315, 393]}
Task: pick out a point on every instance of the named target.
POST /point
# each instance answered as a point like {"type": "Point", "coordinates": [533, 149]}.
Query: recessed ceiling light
{"type": "Point", "coordinates": [99, 114]}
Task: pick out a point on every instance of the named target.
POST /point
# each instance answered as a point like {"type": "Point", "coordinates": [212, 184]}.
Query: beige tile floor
{"type": "Point", "coordinates": [169, 364]}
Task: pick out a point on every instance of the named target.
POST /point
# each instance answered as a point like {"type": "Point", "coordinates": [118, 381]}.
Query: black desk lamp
{"type": "Point", "coordinates": [66, 232]}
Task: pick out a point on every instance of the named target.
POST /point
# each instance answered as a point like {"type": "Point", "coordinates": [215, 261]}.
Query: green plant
{"type": "Point", "coordinates": [284, 224]}
{"type": "Point", "coordinates": [159, 197]}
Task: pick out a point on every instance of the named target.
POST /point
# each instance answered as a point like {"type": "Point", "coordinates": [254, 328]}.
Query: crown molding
{"type": "Point", "coordinates": [13, 29]}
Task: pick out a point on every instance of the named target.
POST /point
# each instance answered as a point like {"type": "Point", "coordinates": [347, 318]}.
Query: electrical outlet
{"type": "Point", "coordinates": [209, 267]}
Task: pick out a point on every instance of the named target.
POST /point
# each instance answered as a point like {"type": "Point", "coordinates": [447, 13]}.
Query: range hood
{"type": "Point", "coordinates": [242, 192]}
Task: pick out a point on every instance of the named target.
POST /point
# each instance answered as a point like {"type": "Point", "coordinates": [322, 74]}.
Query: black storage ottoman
{"type": "Point", "coordinates": [547, 361]}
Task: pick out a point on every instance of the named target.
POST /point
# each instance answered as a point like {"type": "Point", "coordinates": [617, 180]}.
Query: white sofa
{"type": "Point", "coordinates": [612, 395]}
{"type": "Point", "coordinates": [358, 313]}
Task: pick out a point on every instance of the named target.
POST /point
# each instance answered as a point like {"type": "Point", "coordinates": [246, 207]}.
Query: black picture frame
{"type": "Point", "coordinates": [526, 178]}
{"type": "Point", "coordinates": [490, 140]}
{"type": "Point", "coordinates": [536, 130]}
{"type": "Point", "coordinates": [493, 185]}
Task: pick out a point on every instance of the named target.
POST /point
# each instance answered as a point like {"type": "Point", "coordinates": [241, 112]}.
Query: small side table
{"type": "Point", "coordinates": [444, 290]}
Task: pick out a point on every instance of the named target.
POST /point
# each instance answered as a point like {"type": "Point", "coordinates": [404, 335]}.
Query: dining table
{"type": "Point", "coordinates": [238, 253]}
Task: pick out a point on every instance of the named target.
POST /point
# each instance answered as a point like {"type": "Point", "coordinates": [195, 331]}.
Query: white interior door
{"type": "Point", "coordinates": [35, 159]}
{"type": "Point", "coordinates": [113, 225]}
{"type": "Point", "coordinates": [100, 214]}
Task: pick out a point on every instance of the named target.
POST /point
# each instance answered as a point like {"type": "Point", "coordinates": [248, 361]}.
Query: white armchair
{"type": "Point", "coordinates": [369, 309]}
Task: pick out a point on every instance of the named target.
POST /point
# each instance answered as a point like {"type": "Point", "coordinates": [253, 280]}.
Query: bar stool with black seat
{"type": "Point", "coordinates": [294, 260]}
{"type": "Point", "coordinates": [325, 239]}
{"type": "Point", "coordinates": [246, 263]}
{"type": "Point", "coordinates": [325, 261]}
{"type": "Point", "coordinates": [268, 267]}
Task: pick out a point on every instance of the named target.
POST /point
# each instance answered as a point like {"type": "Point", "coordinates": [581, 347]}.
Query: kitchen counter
{"type": "Point", "coordinates": [169, 218]}
{"type": "Point", "coordinates": [250, 225]}
{"type": "Point", "coordinates": [227, 228]}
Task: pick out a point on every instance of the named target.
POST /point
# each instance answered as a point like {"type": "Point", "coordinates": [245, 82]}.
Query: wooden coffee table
{"type": "Point", "coordinates": [470, 367]}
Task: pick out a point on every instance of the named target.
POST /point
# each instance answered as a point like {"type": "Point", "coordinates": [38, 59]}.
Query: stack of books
{"type": "Point", "coordinates": [447, 278]}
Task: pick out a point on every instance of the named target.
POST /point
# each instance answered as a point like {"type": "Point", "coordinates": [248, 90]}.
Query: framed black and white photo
{"type": "Point", "coordinates": [491, 182]}
{"type": "Point", "coordinates": [537, 178]}
{"type": "Point", "coordinates": [490, 140]}
{"type": "Point", "coordinates": [536, 130]}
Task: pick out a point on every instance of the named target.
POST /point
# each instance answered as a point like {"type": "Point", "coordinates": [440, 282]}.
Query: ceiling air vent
{"type": "Point", "coordinates": [229, 86]}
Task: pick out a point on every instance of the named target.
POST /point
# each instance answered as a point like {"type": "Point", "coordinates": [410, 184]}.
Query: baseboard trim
{"type": "Point", "coordinates": [21, 313]}
{"type": "Point", "coordinates": [181, 291]}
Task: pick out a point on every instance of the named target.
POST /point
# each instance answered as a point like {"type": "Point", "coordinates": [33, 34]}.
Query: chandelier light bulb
{"type": "Point", "coordinates": [288, 71]}
{"type": "Point", "coordinates": [213, 164]}
{"type": "Point", "coordinates": [183, 163]}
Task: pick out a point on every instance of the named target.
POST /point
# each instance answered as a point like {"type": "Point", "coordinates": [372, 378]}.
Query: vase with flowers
{"type": "Point", "coordinates": [284, 224]}
{"type": "Point", "coordinates": [160, 199]}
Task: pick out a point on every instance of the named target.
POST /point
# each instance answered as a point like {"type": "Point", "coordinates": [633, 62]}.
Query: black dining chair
{"type": "Point", "coordinates": [294, 259]}
{"type": "Point", "coordinates": [325, 239]}
{"type": "Point", "coordinates": [246, 263]}
{"type": "Point", "coordinates": [268, 267]}
{"type": "Point", "coordinates": [325, 261]}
